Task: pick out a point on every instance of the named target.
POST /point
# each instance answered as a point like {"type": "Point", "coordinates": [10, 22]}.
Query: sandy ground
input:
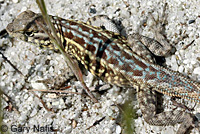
{"type": "Point", "coordinates": [75, 113]}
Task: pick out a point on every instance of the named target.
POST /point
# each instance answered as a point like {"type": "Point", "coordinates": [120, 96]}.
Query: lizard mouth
{"type": "Point", "coordinates": [26, 28]}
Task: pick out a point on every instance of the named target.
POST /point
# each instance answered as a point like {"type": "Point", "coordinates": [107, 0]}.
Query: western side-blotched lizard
{"type": "Point", "coordinates": [116, 60]}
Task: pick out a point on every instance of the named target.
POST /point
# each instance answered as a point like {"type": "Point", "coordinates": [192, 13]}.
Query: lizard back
{"type": "Point", "coordinates": [105, 54]}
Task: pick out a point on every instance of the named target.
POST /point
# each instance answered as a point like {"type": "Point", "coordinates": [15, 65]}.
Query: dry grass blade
{"type": "Point", "coordinates": [56, 91]}
{"type": "Point", "coordinates": [43, 103]}
{"type": "Point", "coordinates": [9, 62]}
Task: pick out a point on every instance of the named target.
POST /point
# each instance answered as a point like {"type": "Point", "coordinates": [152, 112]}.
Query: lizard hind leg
{"type": "Point", "coordinates": [159, 45]}
{"type": "Point", "coordinates": [148, 105]}
{"type": "Point", "coordinates": [158, 29]}
{"type": "Point", "coordinates": [152, 49]}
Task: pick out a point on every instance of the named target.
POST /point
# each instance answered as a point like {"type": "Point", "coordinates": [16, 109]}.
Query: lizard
{"type": "Point", "coordinates": [111, 57]}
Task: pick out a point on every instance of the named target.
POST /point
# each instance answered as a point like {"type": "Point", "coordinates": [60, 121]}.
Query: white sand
{"type": "Point", "coordinates": [75, 109]}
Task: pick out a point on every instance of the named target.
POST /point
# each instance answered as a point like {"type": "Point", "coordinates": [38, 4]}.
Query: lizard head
{"type": "Point", "coordinates": [26, 27]}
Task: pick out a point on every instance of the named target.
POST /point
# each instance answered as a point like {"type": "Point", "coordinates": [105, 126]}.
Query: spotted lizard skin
{"type": "Point", "coordinates": [116, 60]}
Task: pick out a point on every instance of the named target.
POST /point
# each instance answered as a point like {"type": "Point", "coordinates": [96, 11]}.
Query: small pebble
{"type": "Point", "coordinates": [30, 99]}
{"type": "Point", "coordinates": [191, 21]}
{"type": "Point", "coordinates": [26, 96]}
{"type": "Point", "coordinates": [15, 1]}
{"type": "Point", "coordinates": [33, 113]}
{"type": "Point", "coordinates": [74, 123]}
{"type": "Point", "coordinates": [55, 103]}
{"type": "Point", "coordinates": [109, 112]}
{"type": "Point", "coordinates": [119, 99]}
{"type": "Point", "coordinates": [197, 71]}
{"type": "Point", "coordinates": [118, 129]}
{"type": "Point", "coordinates": [37, 85]}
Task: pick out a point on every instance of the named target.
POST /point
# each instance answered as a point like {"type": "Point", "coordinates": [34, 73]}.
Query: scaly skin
{"type": "Point", "coordinates": [109, 56]}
